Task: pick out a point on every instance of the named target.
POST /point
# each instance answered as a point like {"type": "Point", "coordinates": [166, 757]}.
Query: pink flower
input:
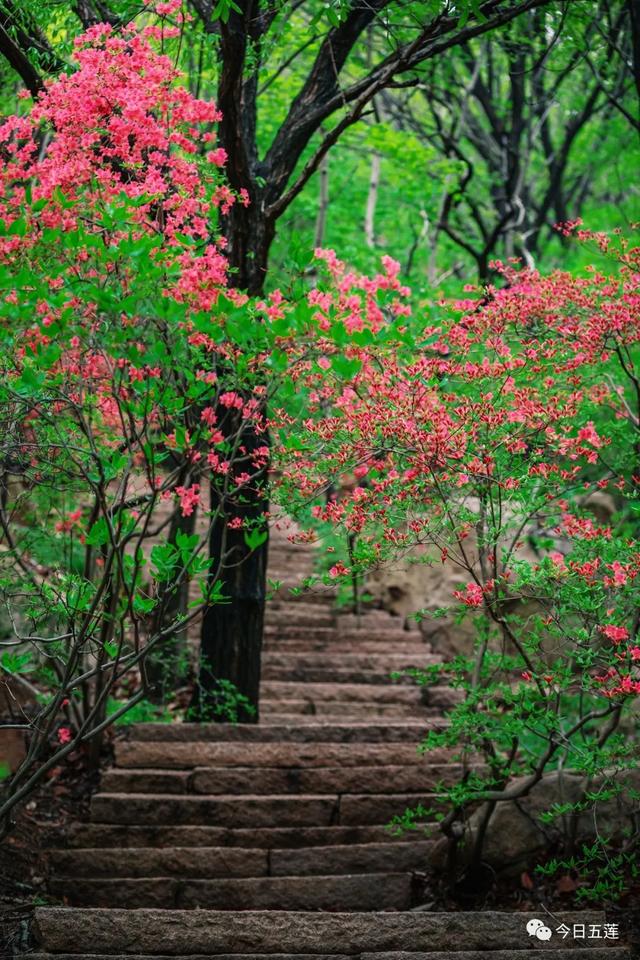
{"type": "Point", "coordinates": [189, 498]}
{"type": "Point", "coordinates": [72, 520]}
{"type": "Point", "coordinates": [589, 434]}
{"type": "Point", "coordinates": [616, 634]}
{"type": "Point", "coordinates": [64, 735]}
{"type": "Point", "coordinates": [472, 596]}
{"type": "Point", "coordinates": [338, 570]}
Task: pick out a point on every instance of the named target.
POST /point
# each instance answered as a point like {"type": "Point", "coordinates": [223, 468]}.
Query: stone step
{"type": "Point", "coordinates": [248, 810]}
{"type": "Point", "coordinates": [225, 810]}
{"type": "Point", "coordinates": [183, 933]}
{"type": "Point", "coordinates": [406, 731]}
{"type": "Point", "coordinates": [120, 836]}
{"type": "Point", "coordinates": [310, 630]}
{"type": "Point", "coordinates": [352, 892]}
{"type": "Point", "coordinates": [384, 691]}
{"type": "Point", "coordinates": [371, 615]}
{"type": "Point", "coordinates": [309, 720]}
{"type": "Point", "coordinates": [384, 663]}
{"type": "Point", "coordinates": [291, 586]}
{"type": "Point", "coordinates": [567, 953]}
{"type": "Point", "coordinates": [176, 755]}
{"type": "Point", "coordinates": [328, 673]}
{"type": "Point", "coordinates": [196, 863]}
{"type": "Point", "coordinates": [323, 710]}
{"type": "Point", "coordinates": [292, 575]}
{"type": "Point", "coordinates": [299, 631]}
{"type": "Point", "coordinates": [307, 615]}
{"type": "Point", "coordinates": [338, 645]}
{"type": "Point", "coordinates": [391, 631]}
{"type": "Point", "coordinates": [289, 593]}
{"type": "Point", "coordinates": [280, 780]}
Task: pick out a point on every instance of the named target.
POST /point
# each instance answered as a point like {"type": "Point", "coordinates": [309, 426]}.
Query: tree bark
{"type": "Point", "coordinates": [231, 637]}
{"type": "Point", "coordinates": [166, 667]}
{"type": "Point", "coordinates": [634, 16]}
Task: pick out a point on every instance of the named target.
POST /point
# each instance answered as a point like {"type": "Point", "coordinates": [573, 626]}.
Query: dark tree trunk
{"type": "Point", "coordinates": [231, 638]}
{"type": "Point", "coordinates": [634, 16]}
{"type": "Point", "coordinates": [167, 666]}
{"type": "Point", "coordinates": [249, 235]}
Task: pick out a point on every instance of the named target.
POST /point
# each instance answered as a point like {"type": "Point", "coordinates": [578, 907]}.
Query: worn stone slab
{"type": "Point", "coordinates": [357, 893]}
{"type": "Point", "coordinates": [187, 932]}
{"type": "Point", "coordinates": [551, 952]}
{"type": "Point", "coordinates": [123, 835]}
{"type": "Point", "coordinates": [303, 613]}
{"type": "Point", "coordinates": [174, 861]}
{"type": "Point", "coordinates": [381, 692]}
{"type": "Point", "coordinates": [574, 953]}
{"type": "Point", "coordinates": [382, 662]}
{"type": "Point", "coordinates": [299, 779]}
{"type": "Point", "coordinates": [336, 710]}
{"type": "Point", "coordinates": [147, 892]}
{"type": "Point", "coordinates": [400, 732]}
{"type": "Point", "coordinates": [373, 891]}
{"type": "Point", "coordinates": [355, 858]}
{"type": "Point", "coordinates": [299, 630]}
{"type": "Point", "coordinates": [320, 719]}
{"type": "Point", "coordinates": [145, 781]}
{"type": "Point", "coordinates": [139, 754]}
{"type": "Point", "coordinates": [334, 673]}
{"type": "Point", "coordinates": [380, 808]}
{"type": "Point", "coordinates": [339, 712]}
{"type": "Point", "coordinates": [228, 811]}
{"type": "Point", "coordinates": [442, 697]}
{"type": "Point", "coordinates": [339, 646]}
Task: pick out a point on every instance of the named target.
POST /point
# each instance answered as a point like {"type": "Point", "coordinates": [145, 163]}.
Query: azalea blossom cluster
{"type": "Point", "coordinates": [485, 425]}
{"type": "Point", "coordinates": [127, 406]}
{"type": "Point", "coordinates": [105, 193]}
{"type": "Point", "coordinates": [119, 124]}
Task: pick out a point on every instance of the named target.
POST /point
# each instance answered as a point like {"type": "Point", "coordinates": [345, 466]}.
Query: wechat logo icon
{"type": "Point", "coordinates": [536, 928]}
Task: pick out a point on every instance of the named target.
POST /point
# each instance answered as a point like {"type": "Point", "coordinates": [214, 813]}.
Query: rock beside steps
{"type": "Point", "coordinates": [272, 840]}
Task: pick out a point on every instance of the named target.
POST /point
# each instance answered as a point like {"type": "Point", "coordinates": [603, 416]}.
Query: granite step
{"type": "Point", "coordinates": [338, 645]}
{"type": "Point", "coordinates": [405, 731]}
{"type": "Point", "coordinates": [212, 933]}
{"type": "Point", "coordinates": [564, 953]}
{"type": "Point", "coordinates": [254, 810]}
{"type": "Point", "coordinates": [218, 862]}
{"type": "Point", "coordinates": [357, 892]}
{"type": "Point", "coordinates": [280, 780]}
{"type": "Point", "coordinates": [120, 836]}
{"type": "Point", "coordinates": [324, 710]}
{"type": "Point", "coordinates": [185, 755]}
{"type": "Point", "coordinates": [382, 690]}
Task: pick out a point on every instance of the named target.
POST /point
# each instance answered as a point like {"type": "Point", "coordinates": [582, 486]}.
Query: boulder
{"type": "Point", "coordinates": [516, 836]}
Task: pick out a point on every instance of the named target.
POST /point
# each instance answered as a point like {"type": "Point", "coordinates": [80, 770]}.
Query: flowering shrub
{"type": "Point", "coordinates": [130, 375]}
{"type": "Point", "coordinates": [480, 436]}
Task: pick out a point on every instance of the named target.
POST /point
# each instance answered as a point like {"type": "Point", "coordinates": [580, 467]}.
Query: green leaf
{"type": "Point", "coordinates": [255, 538]}
{"type": "Point", "coordinates": [98, 534]}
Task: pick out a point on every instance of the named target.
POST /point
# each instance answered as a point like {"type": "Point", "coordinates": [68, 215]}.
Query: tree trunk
{"type": "Point", "coordinates": [167, 666]}
{"type": "Point", "coordinates": [634, 16]}
{"type": "Point", "coordinates": [231, 635]}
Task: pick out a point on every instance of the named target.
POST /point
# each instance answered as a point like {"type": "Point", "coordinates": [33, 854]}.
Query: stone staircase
{"type": "Point", "coordinates": [216, 840]}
